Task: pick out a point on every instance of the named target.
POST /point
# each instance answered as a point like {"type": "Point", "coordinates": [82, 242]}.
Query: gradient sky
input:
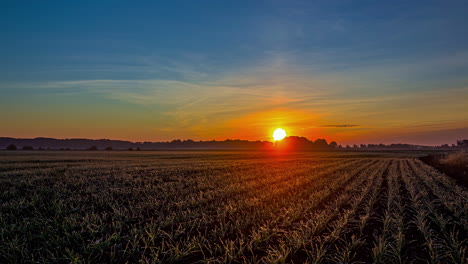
{"type": "Point", "coordinates": [349, 71]}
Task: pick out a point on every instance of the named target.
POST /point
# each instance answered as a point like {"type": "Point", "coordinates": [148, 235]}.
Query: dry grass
{"type": "Point", "coordinates": [456, 159]}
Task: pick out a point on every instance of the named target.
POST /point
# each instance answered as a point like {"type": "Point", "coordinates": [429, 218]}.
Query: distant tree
{"type": "Point", "coordinates": [109, 148]}
{"type": "Point", "coordinates": [462, 143]}
{"type": "Point", "coordinates": [11, 147]}
{"type": "Point", "coordinates": [320, 143]}
{"type": "Point", "coordinates": [292, 143]}
{"type": "Point", "coordinates": [130, 149]}
{"type": "Point", "coordinates": [333, 144]}
{"type": "Point", "coordinates": [138, 149]}
{"type": "Point", "coordinates": [93, 148]}
{"type": "Point", "coordinates": [28, 148]}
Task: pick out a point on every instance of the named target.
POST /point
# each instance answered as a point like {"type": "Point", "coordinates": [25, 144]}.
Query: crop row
{"type": "Point", "coordinates": [238, 209]}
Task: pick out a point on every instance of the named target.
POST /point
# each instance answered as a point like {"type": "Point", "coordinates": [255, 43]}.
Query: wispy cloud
{"type": "Point", "coordinates": [344, 125]}
{"type": "Point", "coordinates": [280, 90]}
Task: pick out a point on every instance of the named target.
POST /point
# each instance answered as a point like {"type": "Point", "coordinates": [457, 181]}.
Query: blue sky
{"type": "Point", "coordinates": [208, 69]}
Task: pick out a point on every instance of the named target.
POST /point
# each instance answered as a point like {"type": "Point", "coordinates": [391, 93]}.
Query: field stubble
{"type": "Point", "coordinates": [218, 207]}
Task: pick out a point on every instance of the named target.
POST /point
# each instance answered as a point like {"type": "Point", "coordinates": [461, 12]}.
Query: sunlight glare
{"type": "Point", "coordinates": [279, 134]}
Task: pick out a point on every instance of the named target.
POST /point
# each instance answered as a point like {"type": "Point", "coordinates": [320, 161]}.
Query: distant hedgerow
{"type": "Point", "coordinates": [11, 147]}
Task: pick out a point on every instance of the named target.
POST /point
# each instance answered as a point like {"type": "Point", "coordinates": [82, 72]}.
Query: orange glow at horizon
{"type": "Point", "coordinates": [261, 125]}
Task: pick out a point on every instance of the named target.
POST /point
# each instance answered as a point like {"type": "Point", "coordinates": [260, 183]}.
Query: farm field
{"type": "Point", "coordinates": [228, 207]}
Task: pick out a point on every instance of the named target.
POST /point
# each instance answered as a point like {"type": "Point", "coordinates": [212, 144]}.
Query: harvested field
{"type": "Point", "coordinates": [228, 207]}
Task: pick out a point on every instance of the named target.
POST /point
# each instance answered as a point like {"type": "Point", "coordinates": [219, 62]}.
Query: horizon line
{"type": "Point", "coordinates": [227, 139]}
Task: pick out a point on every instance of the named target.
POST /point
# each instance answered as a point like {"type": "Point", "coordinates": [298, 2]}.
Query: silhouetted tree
{"type": "Point", "coordinates": [28, 148]}
{"type": "Point", "coordinates": [333, 144]}
{"type": "Point", "coordinates": [93, 148]}
{"type": "Point", "coordinates": [11, 147]}
{"type": "Point", "coordinates": [292, 142]}
{"type": "Point", "coordinates": [138, 149]}
{"type": "Point", "coordinates": [462, 143]}
{"type": "Point", "coordinates": [130, 149]}
{"type": "Point", "coordinates": [109, 148]}
{"type": "Point", "coordinates": [320, 143]}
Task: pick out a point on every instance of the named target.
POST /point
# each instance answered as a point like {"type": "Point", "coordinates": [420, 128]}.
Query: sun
{"type": "Point", "coordinates": [279, 134]}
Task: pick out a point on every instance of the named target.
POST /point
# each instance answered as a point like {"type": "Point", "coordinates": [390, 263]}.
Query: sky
{"type": "Point", "coordinates": [349, 71]}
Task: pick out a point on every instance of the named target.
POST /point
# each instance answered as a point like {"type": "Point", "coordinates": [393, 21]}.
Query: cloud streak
{"type": "Point", "coordinates": [344, 125]}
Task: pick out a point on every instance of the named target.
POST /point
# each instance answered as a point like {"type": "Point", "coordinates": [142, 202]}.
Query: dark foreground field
{"type": "Point", "coordinates": [218, 207]}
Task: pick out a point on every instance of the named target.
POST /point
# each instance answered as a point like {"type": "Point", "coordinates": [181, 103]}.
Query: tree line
{"type": "Point", "coordinates": [291, 142]}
